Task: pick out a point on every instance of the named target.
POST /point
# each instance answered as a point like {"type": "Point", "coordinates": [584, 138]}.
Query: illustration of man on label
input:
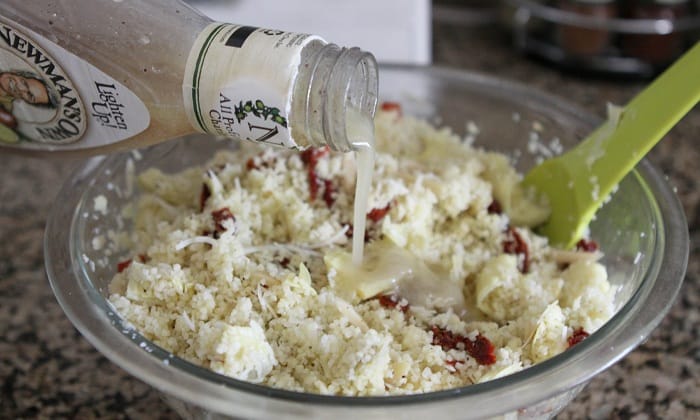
{"type": "Point", "coordinates": [24, 97]}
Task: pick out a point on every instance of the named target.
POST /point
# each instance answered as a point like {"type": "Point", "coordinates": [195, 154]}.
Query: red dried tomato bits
{"type": "Point", "coordinates": [311, 157]}
{"type": "Point", "coordinates": [123, 265]}
{"type": "Point", "coordinates": [445, 338]}
{"type": "Point", "coordinates": [378, 214]}
{"type": "Point", "coordinates": [391, 106]}
{"type": "Point", "coordinates": [220, 216]}
{"type": "Point", "coordinates": [453, 363]}
{"type": "Point", "coordinates": [495, 208]}
{"type": "Point", "coordinates": [204, 195]}
{"type": "Point", "coordinates": [587, 245]}
{"type": "Point", "coordinates": [374, 216]}
{"type": "Point", "coordinates": [314, 184]}
{"type": "Point", "coordinates": [351, 231]}
{"type": "Point", "coordinates": [577, 336]}
{"type": "Point", "coordinates": [481, 348]}
{"type": "Point", "coordinates": [250, 164]}
{"type": "Point", "coordinates": [330, 192]}
{"type": "Point", "coordinates": [392, 302]}
{"type": "Point", "coordinates": [516, 245]}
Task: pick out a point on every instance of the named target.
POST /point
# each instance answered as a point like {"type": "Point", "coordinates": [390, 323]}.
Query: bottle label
{"type": "Point", "coordinates": [52, 100]}
{"type": "Point", "coordinates": [239, 80]}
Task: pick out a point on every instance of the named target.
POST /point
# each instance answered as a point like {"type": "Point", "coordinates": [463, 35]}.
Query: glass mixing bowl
{"type": "Point", "coordinates": [642, 231]}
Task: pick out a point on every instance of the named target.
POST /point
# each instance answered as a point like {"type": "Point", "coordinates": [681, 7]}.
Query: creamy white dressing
{"type": "Point", "coordinates": [364, 156]}
{"type": "Point", "coordinates": [361, 134]}
{"type": "Point", "coordinates": [387, 268]}
{"type": "Point", "coordinates": [422, 286]}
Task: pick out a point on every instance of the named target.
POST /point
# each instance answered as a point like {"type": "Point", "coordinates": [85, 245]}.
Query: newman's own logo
{"type": "Point", "coordinates": [38, 102]}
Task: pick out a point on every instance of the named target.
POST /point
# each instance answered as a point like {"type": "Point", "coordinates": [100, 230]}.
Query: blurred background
{"type": "Point", "coordinates": [610, 37]}
{"type": "Point", "coordinates": [395, 31]}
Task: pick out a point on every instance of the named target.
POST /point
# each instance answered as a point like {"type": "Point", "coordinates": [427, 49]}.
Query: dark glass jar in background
{"type": "Point", "coordinates": [656, 48]}
{"type": "Point", "coordinates": [578, 40]}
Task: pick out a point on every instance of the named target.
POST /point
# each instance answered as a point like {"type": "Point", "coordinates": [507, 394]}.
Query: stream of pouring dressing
{"type": "Point", "coordinates": [361, 135]}
{"type": "Point", "coordinates": [389, 268]}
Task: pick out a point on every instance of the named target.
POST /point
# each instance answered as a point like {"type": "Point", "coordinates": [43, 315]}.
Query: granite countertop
{"type": "Point", "coordinates": [49, 371]}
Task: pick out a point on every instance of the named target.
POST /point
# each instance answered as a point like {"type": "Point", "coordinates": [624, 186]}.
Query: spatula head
{"type": "Point", "coordinates": [577, 183]}
{"type": "Point", "coordinates": [570, 201]}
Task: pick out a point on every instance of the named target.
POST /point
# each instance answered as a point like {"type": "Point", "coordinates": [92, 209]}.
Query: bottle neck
{"type": "Point", "coordinates": [334, 87]}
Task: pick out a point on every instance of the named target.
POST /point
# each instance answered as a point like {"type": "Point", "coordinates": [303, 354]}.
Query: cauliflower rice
{"type": "Point", "coordinates": [244, 268]}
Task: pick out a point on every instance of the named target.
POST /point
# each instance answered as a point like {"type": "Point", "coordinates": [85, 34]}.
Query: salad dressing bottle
{"type": "Point", "coordinates": [86, 77]}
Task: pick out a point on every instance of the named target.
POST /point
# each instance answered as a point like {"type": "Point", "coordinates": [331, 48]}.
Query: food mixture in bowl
{"type": "Point", "coordinates": [244, 267]}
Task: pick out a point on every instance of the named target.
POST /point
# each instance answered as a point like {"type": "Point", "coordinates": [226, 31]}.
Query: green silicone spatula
{"type": "Point", "coordinates": [577, 183]}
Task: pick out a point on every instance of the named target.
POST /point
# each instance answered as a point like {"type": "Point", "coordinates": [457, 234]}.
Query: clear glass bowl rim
{"type": "Point", "coordinates": [95, 319]}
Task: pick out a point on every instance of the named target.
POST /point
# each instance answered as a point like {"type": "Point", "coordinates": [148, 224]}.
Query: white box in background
{"type": "Point", "coordinates": [395, 31]}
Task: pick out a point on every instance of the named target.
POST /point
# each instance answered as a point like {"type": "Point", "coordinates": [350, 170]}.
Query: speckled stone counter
{"type": "Point", "coordinates": [47, 370]}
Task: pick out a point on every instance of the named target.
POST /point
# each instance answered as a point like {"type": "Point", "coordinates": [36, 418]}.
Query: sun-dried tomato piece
{"type": "Point", "coordinates": [123, 265]}
{"type": "Point", "coordinates": [310, 157]}
{"type": "Point", "coordinates": [351, 231]}
{"type": "Point", "coordinates": [495, 207]}
{"type": "Point", "coordinates": [143, 258]}
{"type": "Point", "coordinates": [314, 184]}
{"type": "Point", "coordinates": [329, 192]}
{"type": "Point", "coordinates": [587, 245]}
{"type": "Point", "coordinates": [481, 348]}
{"type": "Point", "coordinates": [453, 362]}
{"type": "Point", "coordinates": [392, 302]}
{"type": "Point", "coordinates": [445, 338]}
{"type": "Point", "coordinates": [204, 196]}
{"type": "Point", "coordinates": [577, 336]}
{"type": "Point", "coordinates": [250, 164]}
{"type": "Point", "coordinates": [220, 216]}
{"type": "Point", "coordinates": [392, 106]}
{"type": "Point", "coordinates": [516, 245]}
{"type": "Point", "coordinates": [378, 214]}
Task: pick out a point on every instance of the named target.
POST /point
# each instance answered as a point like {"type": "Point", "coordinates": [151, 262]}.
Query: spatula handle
{"type": "Point", "coordinates": [645, 120]}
